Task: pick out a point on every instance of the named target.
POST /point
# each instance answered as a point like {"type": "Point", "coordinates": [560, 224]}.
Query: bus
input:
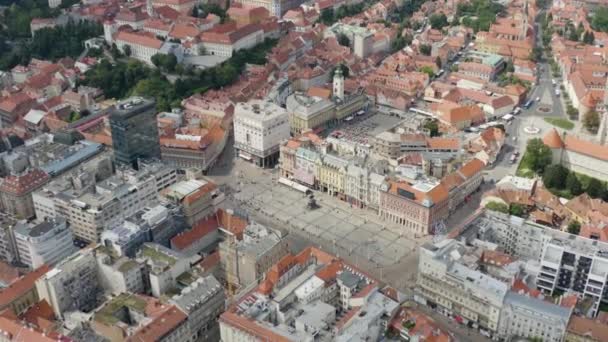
{"type": "Point", "coordinates": [294, 185]}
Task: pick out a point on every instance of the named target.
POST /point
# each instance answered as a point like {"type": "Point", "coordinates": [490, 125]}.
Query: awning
{"type": "Point", "coordinates": [245, 156]}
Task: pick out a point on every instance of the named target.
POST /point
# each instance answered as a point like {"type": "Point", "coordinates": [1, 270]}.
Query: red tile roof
{"type": "Point", "coordinates": [552, 139]}
{"type": "Point", "coordinates": [142, 38]}
{"type": "Point", "coordinates": [472, 168]}
{"type": "Point", "coordinates": [25, 183]}
{"type": "Point", "coordinates": [587, 328]}
{"type": "Point", "coordinates": [21, 286]}
{"type": "Point", "coordinates": [232, 223]}
{"type": "Point", "coordinates": [161, 326]}
{"type": "Point", "coordinates": [200, 230]}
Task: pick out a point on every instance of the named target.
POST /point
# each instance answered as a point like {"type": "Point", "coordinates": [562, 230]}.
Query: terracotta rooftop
{"type": "Point", "coordinates": [472, 168]}
{"type": "Point", "coordinates": [25, 183]}
{"type": "Point", "coordinates": [147, 39]}
{"type": "Point", "coordinates": [21, 286]}
{"type": "Point", "coordinates": [587, 328]}
{"type": "Point", "coordinates": [231, 222]}
{"type": "Point", "coordinates": [200, 229]}
{"type": "Point", "coordinates": [552, 139]}
{"type": "Point", "coordinates": [161, 326]}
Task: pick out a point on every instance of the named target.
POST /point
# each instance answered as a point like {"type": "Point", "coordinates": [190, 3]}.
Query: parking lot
{"type": "Point", "coordinates": [362, 128]}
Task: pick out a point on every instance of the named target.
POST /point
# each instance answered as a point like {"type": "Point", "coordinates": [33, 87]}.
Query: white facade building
{"type": "Point", "coordinates": [259, 128]}
{"type": "Point", "coordinates": [225, 44]}
{"type": "Point", "coordinates": [48, 242]}
{"type": "Point", "coordinates": [72, 285]}
{"type": "Point", "coordinates": [459, 291]}
{"type": "Point", "coordinates": [525, 316]}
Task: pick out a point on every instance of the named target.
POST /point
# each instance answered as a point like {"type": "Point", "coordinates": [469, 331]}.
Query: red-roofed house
{"type": "Point", "coordinates": [14, 106]}
{"type": "Point", "coordinates": [143, 44]}
{"type": "Point", "coordinates": [224, 40]}
{"type": "Point", "coordinates": [582, 156]}
{"type": "Point", "coordinates": [22, 294]}
{"type": "Point", "coordinates": [16, 192]}
{"type": "Point", "coordinates": [201, 238]}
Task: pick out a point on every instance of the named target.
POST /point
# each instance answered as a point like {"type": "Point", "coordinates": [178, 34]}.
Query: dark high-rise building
{"type": "Point", "coordinates": [134, 131]}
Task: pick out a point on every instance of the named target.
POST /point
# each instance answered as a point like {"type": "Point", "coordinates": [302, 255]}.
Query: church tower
{"type": "Point", "coordinates": [149, 8]}
{"type": "Point", "coordinates": [602, 132]}
{"type": "Point", "coordinates": [339, 83]}
{"type": "Point", "coordinates": [524, 27]}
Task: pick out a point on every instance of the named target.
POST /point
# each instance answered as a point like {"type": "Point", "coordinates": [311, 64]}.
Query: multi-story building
{"type": "Point", "coordinates": [47, 242]}
{"type": "Point", "coordinates": [8, 250]}
{"type": "Point", "coordinates": [420, 207]}
{"type": "Point", "coordinates": [126, 317]}
{"type": "Point", "coordinates": [530, 317]}
{"type": "Point", "coordinates": [203, 302]}
{"type": "Point", "coordinates": [458, 290]}
{"type": "Point", "coordinates": [245, 259]}
{"type": "Point", "coordinates": [565, 262]}
{"type": "Point", "coordinates": [22, 294]}
{"type": "Point", "coordinates": [199, 198]}
{"type": "Point", "coordinates": [163, 266]}
{"type": "Point", "coordinates": [16, 192]}
{"type": "Point", "coordinates": [72, 285]}
{"type": "Point", "coordinates": [189, 151]}
{"type": "Point", "coordinates": [226, 39]}
{"type": "Point", "coordinates": [154, 224]}
{"type": "Point", "coordinates": [120, 274]}
{"type": "Point", "coordinates": [582, 156]}
{"type": "Point", "coordinates": [134, 131]}
{"type": "Point", "coordinates": [259, 129]}
{"type": "Point", "coordinates": [362, 186]}
{"type": "Point", "coordinates": [276, 7]}
{"type": "Point", "coordinates": [308, 112]}
{"type": "Point", "coordinates": [91, 208]}
{"type": "Point", "coordinates": [310, 296]}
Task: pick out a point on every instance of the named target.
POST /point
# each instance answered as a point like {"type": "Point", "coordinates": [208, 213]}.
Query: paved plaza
{"type": "Point", "coordinates": [358, 235]}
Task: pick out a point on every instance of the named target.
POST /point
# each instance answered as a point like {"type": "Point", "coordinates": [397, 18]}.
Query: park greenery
{"type": "Point", "coordinates": [18, 47]}
{"type": "Point", "coordinates": [591, 121]}
{"type": "Point", "coordinates": [562, 182]}
{"type": "Point", "coordinates": [329, 16]}
{"type": "Point", "coordinates": [479, 14]}
{"type": "Point", "coordinates": [135, 78]}
{"type": "Point", "coordinates": [561, 123]}
{"type": "Point", "coordinates": [425, 49]}
{"type": "Point", "coordinates": [438, 21]}
{"type": "Point", "coordinates": [513, 209]}
{"type": "Point", "coordinates": [599, 20]}
{"type": "Point", "coordinates": [202, 10]}
{"type": "Point", "coordinates": [574, 227]}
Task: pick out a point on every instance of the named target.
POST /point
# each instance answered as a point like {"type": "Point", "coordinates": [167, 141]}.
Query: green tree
{"type": "Point", "coordinates": [574, 227]}
{"type": "Point", "coordinates": [594, 188]}
{"type": "Point", "coordinates": [539, 154]}
{"type": "Point", "coordinates": [517, 210]}
{"type": "Point", "coordinates": [588, 38]}
{"type": "Point", "coordinates": [425, 49]}
{"type": "Point", "coordinates": [599, 21]}
{"type": "Point", "coordinates": [497, 206]}
{"type": "Point", "coordinates": [432, 126]}
{"type": "Point", "coordinates": [591, 121]}
{"type": "Point", "coordinates": [327, 16]}
{"type": "Point", "coordinates": [573, 185]}
{"type": "Point", "coordinates": [438, 21]}
{"type": "Point", "coordinates": [343, 40]}
{"type": "Point", "coordinates": [536, 54]}
{"type": "Point", "coordinates": [126, 49]}
{"type": "Point", "coordinates": [555, 176]}
{"type": "Point", "coordinates": [438, 62]}
{"type": "Point", "coordinates": [427, 70]}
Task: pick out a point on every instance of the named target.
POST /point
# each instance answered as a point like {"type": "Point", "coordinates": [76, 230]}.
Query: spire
{"type": "Point", "coordinates": [602, 132]}
{"type": "Point", "coordinates": [339, 83]}
{"type": "Point", "coordinates": [149, 8]}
